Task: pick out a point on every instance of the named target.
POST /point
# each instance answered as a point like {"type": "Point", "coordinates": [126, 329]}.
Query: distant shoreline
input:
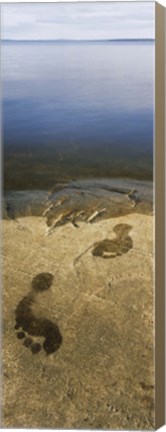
{"type": "Point", "coordinates": [75, 40]}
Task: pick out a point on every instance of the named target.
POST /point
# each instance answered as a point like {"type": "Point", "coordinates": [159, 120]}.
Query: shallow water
{"type": "Point", "coordinates": [82, 199]}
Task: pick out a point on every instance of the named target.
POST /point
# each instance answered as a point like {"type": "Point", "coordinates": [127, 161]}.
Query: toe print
{"type": "Point", "coordinates": [28, 342]}
{"type": "Point", "coordinates": [20, 335]}
{"type": "Point", "coordinates": [36, 348]}
{"type": "Point", "coordinates": [42, 282]}
{"type": "Point", "coordinates": [29, 327]}
{"type": "Point", "coordinates": [115, 247]}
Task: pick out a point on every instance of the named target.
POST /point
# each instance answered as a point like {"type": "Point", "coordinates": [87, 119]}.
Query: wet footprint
{"type": "Point", "coordinates": [30, 327]}
{"type": "Point", "coordinates": [115, 247]}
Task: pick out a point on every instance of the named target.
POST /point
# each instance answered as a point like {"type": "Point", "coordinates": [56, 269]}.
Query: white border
{"type": "Point", "coordinates": [163, 3]}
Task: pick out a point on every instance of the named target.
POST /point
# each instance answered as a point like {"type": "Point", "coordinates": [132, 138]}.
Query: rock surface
{"type": "Point", "coordinates": [101, 375]}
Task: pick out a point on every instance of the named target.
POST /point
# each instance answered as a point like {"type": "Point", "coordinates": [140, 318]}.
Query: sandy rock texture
{"type": "Point", "coordinates": [101, 374]}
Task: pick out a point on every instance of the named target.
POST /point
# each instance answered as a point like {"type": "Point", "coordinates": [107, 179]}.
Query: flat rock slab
{"type": "Point", "coordinates": [102, 374]}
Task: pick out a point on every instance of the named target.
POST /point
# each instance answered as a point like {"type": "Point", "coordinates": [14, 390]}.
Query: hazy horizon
{"type": "Point", "coordinates": [78, 21]}
{"type": "Point", "coordinates": [78, 40]}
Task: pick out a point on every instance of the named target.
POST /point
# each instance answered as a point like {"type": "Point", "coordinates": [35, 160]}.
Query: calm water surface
{"type": "Point", "coordinates": [77, 110]}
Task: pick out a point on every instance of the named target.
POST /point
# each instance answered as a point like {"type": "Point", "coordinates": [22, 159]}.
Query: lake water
{"type": "Point", "coordinates": [77, 110]}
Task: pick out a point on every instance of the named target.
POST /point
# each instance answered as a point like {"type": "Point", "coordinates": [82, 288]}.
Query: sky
{"type": "Point", "coordinates": [44, 21]}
